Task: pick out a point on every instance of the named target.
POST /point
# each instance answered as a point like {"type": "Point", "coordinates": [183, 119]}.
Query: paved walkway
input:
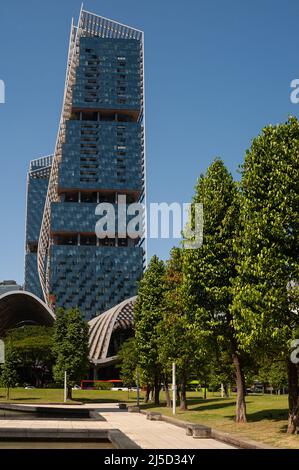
{"type": "Point", "coordinates": [158, 434]}
{"type": "Point", "coordinates": [147, 434]}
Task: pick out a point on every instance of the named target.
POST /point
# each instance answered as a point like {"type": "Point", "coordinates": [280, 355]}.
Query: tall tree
{"type": "Point", "coordinates": [266, 290]}
{"type": "Point", "coordinates": [128, 357]}
{"type": "Point", "coordinates": [148, 314]}
{"type": "Point", "coordinates": [210, 269]}
{"type": "Point", "coordinates": [70, 347]}
{"type": "Point", "coordinates": [177, 338]}
{"type": "Point", "coordinates": [9, 376]}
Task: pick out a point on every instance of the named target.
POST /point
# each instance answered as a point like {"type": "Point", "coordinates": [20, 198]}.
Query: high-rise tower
{"type": "Point", "coordinates": [99, 156]}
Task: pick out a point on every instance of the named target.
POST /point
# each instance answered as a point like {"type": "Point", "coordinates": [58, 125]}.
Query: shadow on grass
{"type": "Point", "coordinates": [195, 400]}
{"type": "Point", "coordinates": [209, 404]}
{"type": "Point", "coordinates": [104, 400]}
{"type": "Point", "coordinates": [3, 399]}
{"type": "Point", "coordinates": [96, 400]}
{"type": "Point", "coordinates": [204, 406]}
{"type": "Point", "coordinates": [273, 415]}
{"type": "Point", "coordinates": [283, 429]}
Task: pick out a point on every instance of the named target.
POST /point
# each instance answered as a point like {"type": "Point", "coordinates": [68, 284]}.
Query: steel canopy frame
{"type": "Point", "coordinates": [52, 193]}
{"type": "Point", "coordinates": [102, 327]}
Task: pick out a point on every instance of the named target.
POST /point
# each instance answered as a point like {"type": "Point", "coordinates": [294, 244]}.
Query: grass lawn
{"type": "Point", "coordinates": [52, 395]}
{"type": "Point", "coordinates": [267, 414]}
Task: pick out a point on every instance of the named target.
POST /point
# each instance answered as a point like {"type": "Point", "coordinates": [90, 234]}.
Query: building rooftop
{"type": "Point", "coordinates": [8, 286]}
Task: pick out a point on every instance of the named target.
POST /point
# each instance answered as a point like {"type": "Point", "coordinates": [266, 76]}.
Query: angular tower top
{"type": "Point", "coordinates": [95, 25]}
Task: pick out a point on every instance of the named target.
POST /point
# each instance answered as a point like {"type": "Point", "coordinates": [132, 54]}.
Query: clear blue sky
{"type": "Point", "coordinates": [216, 73]}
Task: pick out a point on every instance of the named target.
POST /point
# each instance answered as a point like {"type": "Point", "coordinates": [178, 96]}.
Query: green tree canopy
{"type": "Point", "coordinates": [9, 376]}
{"type": "Point", "coordinates": [128, 356]}
{"type": "Point", "coordinates": [265, 304]}
{"type": "Point", "coordinates": [33, 344]}
{"type": "Point", "coordinates": [148, 313]}
{"type": "Point", "coordinates": [70, 347]}
{"type": "Point", "coordinates": [210, 269]}
{"type": "Point", "coordinates": [178, 341]}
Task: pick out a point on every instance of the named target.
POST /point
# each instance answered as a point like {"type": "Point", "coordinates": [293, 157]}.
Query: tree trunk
{"type": "Point", "coordinates": [225, 389]}
{"type": "Point", "coordinates": [157, 389]}
{"type": "Point", "coordinates": [7, 393]}
{"type": "Point", "coordinates": [205, 392]}
{"type": "Point", "coordinates": [241, 390]}
{"type": "Point", "coordinates": [183, 400]}
{"type": "Point", "coordinates": [168, 399]}
{"type": "Point", "coordinates": [69, 393]}
{"type": "Point", "coordinates": [147, 394]}
{"type": "Point", "coordinates": [293, 397]}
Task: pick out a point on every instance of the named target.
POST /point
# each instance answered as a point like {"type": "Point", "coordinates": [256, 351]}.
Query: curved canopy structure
{"type": "Point", "coordinates": [103, 326]}
{"type": "Point", "coordinates": [19, 308]}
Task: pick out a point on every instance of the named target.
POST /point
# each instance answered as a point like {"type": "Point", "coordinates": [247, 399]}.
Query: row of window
{"type": "Point", "coordinates": [90, 240]}
{"type": "Point", "coordinates": [94, 197]}
{"type": "Point", "coordinates": [97, 116]}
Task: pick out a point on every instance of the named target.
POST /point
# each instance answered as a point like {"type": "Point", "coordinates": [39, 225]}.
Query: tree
{"type": "Point", "coordinates": [273, 372]}
{"type": "Point", "coordinates": [177, 339]}
{"type": "Point", "coordinates": [128, 357]}
{"type": "Point", "coordinates": [147, 315]}
{"type": "Point", "coordinates": [210, 269]}
{"type": "Point", "coordinates": [221, 371]}
{"type": "Point", "coordinates": [265, 303]}
{"type": "Point", "coordinates": [9, 376]}
{"type": "Point", "coordinates": [70, 347]}
{"type": "Point", "coordinates": [33, 344]}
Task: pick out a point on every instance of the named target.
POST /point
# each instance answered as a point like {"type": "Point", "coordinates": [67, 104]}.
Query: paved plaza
{"type": "Point", "coordinates": [147, 434]}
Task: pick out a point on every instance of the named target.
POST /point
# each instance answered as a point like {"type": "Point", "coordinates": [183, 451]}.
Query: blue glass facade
{"type": "Point", "coordinates": [98, 154]}
{"type": "Point", "coordinates": [71, 217]}
{"type": "Point", "coordinates": [101, 158]}
{"type": "Point", "coordinates": [108, 75]}
{"type": "Point", "coordinates": [94, 278]}
{"type": "Point", "coordinates": [32, 283]}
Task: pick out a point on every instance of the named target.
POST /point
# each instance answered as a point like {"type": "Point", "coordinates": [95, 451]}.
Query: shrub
{"type": "Point", "coordinates": [104, 386]}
